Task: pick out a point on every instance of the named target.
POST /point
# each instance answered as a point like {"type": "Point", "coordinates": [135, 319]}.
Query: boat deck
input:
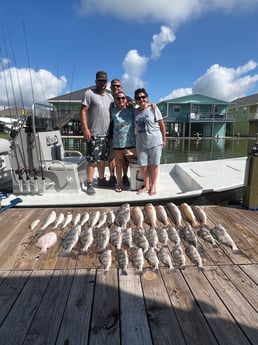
{"type": "Point", "coordinates": [179, 181]}
{"type": "Point", "coordinates": [50, 299]}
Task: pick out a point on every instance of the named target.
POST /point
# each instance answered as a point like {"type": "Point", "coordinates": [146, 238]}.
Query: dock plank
{"type": "Point", "coordinates": [162, 319]}
{"type": "Point", "coordinates": [216, 313]}
{"type": "Point", "coordinates": [77, 315]}
{"type": "Point", "coordinates": [105, 327]}
{"type": "Point", "coordinates": [246, 317]}
{"type": "Point", "coordinates": [243, 283]}
{"type": "Point", "coordinates": [47, 320]}
{"type": "Point", "coordinates": [24, 309]}
{"type": "Point", "coordinates": [134, 322]}
{"type": "Point", "coordinates": [251, 271]}
{"type": "Point", "coordinates": [194, 327]}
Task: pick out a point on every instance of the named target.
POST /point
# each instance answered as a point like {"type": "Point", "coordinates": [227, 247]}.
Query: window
{"type": "Point", "coordinates": [177, 108]}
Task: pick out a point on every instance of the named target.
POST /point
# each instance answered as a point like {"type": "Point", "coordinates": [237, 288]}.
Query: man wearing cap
{"type": "Point", "coordinates": [95, 120]}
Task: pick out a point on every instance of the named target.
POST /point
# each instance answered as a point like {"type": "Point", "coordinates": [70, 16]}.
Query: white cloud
{"type": "Point", "coordinates": [222, 82]}
{"type": "Point", "coordinates": [218, 81]}
{"type": "Point", "coordinates": [25, 86]}
{"type": "Point", "coordinates": [160, 41]}
{"type": "Point", "coordinates": [170, 12]}
{"type": "Point", "coordinates": [134, 66]}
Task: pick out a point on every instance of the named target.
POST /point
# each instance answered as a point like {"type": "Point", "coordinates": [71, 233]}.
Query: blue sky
{"type": "Point", "coordinates": [170, 47]}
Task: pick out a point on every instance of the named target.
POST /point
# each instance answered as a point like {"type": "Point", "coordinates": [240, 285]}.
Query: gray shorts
{"type": "Point", "coordinates": [149, 156]}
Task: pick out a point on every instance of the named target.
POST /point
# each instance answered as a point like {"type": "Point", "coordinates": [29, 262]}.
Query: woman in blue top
{"type": "Point", "coordinates": [122, 117]}
{"type": "Point", "coordinates": [150, 133]}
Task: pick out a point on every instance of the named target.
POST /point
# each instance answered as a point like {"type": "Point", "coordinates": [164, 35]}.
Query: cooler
{"type": "Point", "coordinates": [135, 175]}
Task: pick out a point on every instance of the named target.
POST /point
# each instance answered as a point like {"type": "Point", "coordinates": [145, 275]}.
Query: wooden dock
{"type": "Point", "coordinates": [50, 299]}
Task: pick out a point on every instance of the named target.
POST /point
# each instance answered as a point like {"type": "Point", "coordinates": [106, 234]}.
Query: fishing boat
{"type": "Point", "coordinates": [42, 173]}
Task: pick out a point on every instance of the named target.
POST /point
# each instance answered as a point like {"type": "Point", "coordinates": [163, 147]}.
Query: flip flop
{"type": "Point", "coordinates": [119, 189]}
{"type": "Point", "coordinates": [152, 193]}
{"type": "Point", "coordinates": [142, 190]}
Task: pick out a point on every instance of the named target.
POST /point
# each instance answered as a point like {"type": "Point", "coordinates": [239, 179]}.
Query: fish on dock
{"type": "Point", "coordinates": [70, 239]}
{"type": "Point", "coordinates": [67, 220]}
{"type": "Point", "coordinates": [164, 257]}
{"type": "Point", "coordinates": [49, 220]}
{"type": "Point", "coordinates": [173, 234]}
{"type": "Point", "coordinates": [163, 236]}
{"type": "Point", "coordinates": [76, 219]}
{"type": "Point", "coordinates": [127, 237]}
{"type": "Point", "coordinates": [110, 217]}
{"type": "Point", "coordinates": [162, 215]}
{"type": "Point", "coordinates": [86, 238]}
{"type": "Point", "coordinates": [205, 234]}
{"type": "Point", "coordinates": [140, 240]}
{"type": "Point", "coordinates": [178, 255]}
{"type": "Point", "coordinates": [220, 233]}
{"type": "Point", "coordinates": [93, 218]}
{"type": "Point", "coordinates": [122, 260]}
{"type": "Point", "coordinates": [102, 219]}
{"type": "Point", "coordinates": [34, 224]}
{"type": "Point", "coordinates": [137, 216]}
{"type": "Point", "coordinates": [150, 214]}
{"type": "Point", "coordinates": [59, 220]}
{"type": "Point", "coordinates": [200, 214]}
{"type": "Point", "coordinates": [46, 241]}
{"type": "Point", "coordinates": [103, 237]}
{"type": "Point", "coordinates": [193, 254]}
{"type": "Point", "coordinates": [187, 234]}
{"type": "Point", "coordinates": [152, 258]}
{"type": "Point", "coordinates": [152, 237]}
{"type": "Point", "coordinates": [122, 215]}
{"type": "Point", "coordinates": [116, 237]}
{"type": "Point", "coordinates": [175, 213]}
{"type": "Point", "coordinates": [137, 258]}
{"type": "Point", "coordinates": [188, 214]}
{"type": "Point", "coordinates": [84, 218]}
{"type": "Point", "coordinates": [105, 259]}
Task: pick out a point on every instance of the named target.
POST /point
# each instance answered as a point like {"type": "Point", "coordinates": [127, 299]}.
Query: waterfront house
{"type": "Point", "coordinates": [245, 110]}
{"type": "Point", "coordinates": [197, 115]}
{"type": "Point", "coordinates": [68, 111]}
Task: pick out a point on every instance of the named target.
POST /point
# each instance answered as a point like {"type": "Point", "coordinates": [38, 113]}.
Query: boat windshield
{"type": "Point", "coordinates": [43, 118]}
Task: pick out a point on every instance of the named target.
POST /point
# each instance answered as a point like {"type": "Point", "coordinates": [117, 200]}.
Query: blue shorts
{"type": "Point", "coordinates": [149, 156]}
{"type": "Point", "coordinates": [97, 149]}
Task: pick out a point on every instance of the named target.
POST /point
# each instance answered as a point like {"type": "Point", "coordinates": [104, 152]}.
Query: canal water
{"type": "Point", "coordinates": [189, 150]}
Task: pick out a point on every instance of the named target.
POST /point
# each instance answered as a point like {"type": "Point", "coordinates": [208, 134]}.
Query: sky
{"type": "Point", "coordinates": [170, 47]}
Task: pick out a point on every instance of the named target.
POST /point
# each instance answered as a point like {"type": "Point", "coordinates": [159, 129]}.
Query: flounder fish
{"type": "Point", "coordinates": [46, 241]}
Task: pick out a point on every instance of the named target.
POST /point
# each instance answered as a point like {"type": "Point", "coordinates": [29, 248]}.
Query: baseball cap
{"type": "Point", "coordinates": [101, 75]}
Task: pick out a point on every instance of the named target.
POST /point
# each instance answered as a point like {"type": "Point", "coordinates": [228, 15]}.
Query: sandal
{"type": "Point", "coordinates": [119, 189]}
{"type": "Point", "coordinates": [143, 190]}
{"type": "Point", "coordinates": [152, 193]}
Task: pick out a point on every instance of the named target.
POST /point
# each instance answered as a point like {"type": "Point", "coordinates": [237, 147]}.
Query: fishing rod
{"type": "Point", "coordinates": [20, 169]}
{"type": "Point", "coordinates": [27, 168]}
{"type": "Point", "coordinates": [37, 146]}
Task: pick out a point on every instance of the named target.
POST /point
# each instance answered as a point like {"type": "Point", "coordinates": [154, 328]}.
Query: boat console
{"type": "Point", "coordinates": [38, 156]}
